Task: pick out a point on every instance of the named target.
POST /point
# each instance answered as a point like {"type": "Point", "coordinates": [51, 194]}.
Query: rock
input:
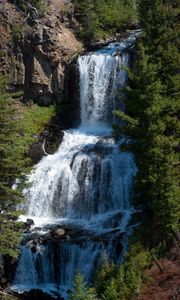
{"type": "Point", "coordinates": [4, 282]}
{"type": "Point", "coordinates": [33, 249]}
{"type": "Point", "coordinates": [1, 266]}
{"type": "Point", "coordinates": [27, 230]}
{"type": "Point", "coordinates": [37, 294]}
{"type": "Point", "coordinates": [59, 233]}
{"type": "Point", "coordinates": [39, 54]}
{"type": "Point", "coordinates": [67, 238]}
{"type": "Point", "coordinates": [9, 18]}
{"type": "Point", "coordinates": [48, 50]}
{"type": "Point", "coordinates": [35, 244]}
{"type": "Point", "coordinates": [36, 152]}
{"type": "Point", "coordinates": [30, 222]}
{"type": "Point", "coordinates": [48, 143]}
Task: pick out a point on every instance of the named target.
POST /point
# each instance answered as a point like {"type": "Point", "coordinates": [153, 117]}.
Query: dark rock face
{"type": "Point", "coordinates": [71, 96]}
{"type": "Point", "coordinates": [37, 54]}
{"type": "Point", "coordinates": [36, 294]}
{"type": "Point", "coordinates": [48, 143]}
{"type": "Point", "coordinates": [9, 19]}
{"type": "Point", "coordinates": [47, 52]}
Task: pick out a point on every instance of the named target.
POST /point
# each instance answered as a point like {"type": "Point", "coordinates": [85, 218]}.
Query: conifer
{"type": "Point", "coordinates": [152, 117]}
{"type": "Point", "coordinates": [81, 291]}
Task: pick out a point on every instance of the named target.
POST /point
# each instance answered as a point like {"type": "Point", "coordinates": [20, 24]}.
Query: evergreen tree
{"type": "Point", "coordinates": [152, 117]}
{"type": "Point", "coordinates": [81, 291]}
{"type": "Point", "coordinates": [10, 170]}
{"type": "Point", "coordinates": [111, 291]}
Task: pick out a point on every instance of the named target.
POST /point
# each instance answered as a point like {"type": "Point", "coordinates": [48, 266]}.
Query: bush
{"type": "Point", "coordinates": [41, 6]}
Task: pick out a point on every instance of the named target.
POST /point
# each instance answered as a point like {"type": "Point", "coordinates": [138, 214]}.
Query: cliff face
{"type": "Point", "coordinates": [9, 18]}
{"type": "Point", "coordinates": [38, 55]}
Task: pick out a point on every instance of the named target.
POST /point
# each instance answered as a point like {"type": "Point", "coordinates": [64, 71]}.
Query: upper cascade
{"type": "Point", "coordinates": [102, 78]}
{"type": "Point", "coordinates": [100, 75]}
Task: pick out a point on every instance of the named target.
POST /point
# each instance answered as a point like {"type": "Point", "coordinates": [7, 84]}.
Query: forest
{"type": "Point", "coordinates": [151, 123]}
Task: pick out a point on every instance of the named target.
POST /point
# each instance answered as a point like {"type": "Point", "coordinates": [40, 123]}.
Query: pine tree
{"type": "Point", "coordinates": [152, 118]}
{"type": "Point", "coordinates": [10, 170]}
{"type": "Point", "coordinates": [111, 291]}
{"type": "Point", "coordinates": [81, 291]}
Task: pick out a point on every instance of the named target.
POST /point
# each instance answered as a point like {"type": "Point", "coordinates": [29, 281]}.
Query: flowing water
{"type": "Point", "coordinates": [85, 187]}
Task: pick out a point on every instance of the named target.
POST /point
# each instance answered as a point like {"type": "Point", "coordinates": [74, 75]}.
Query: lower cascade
{"type": "Point", "coordinates": [79, 197]}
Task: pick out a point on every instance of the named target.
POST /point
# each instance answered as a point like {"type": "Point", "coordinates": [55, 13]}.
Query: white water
{"type": "Point", "coordinates": [87, 184]}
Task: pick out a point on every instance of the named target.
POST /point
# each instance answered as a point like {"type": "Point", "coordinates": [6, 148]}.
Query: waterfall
{"type": "Point", "coordinates": [85, 187]}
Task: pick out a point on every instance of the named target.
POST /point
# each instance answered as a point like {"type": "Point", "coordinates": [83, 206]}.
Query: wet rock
{"type": "Point", "coordinates": [33, 249]}
{"type": "Point", "coordinates": [30, 222]}
{"type": "Point", "coordinates": [37, 294]}
{"type": "Point", "coordinates": [67, 238]}
{"type": "Point", "coordinates": [27, 229]}
{"type": "Point", "coordinates": [27, 225]}
{"type": "Point", "coordinates": [48, 143]}
{"type": "Point", "coordinates": [34, 245]}
{"type": "Point", "coordinates": [1, 266]}
{"type": "Point", "coordinates": [59, 233]}
{"type": "Point", "coordinates": [113, 221]}
{"type": "Point", "coordinates": [4, 282]}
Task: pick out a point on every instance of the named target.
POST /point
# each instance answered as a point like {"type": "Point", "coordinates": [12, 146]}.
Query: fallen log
{"type": "Point", "coordinates": [160, 267]}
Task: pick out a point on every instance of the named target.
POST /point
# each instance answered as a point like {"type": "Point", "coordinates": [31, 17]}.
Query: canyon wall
{"type": "Point", "coordinates": [37, 50]}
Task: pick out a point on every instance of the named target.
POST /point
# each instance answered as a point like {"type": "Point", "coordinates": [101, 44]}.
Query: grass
{"type": "Point", "coordinates": [30, 122]}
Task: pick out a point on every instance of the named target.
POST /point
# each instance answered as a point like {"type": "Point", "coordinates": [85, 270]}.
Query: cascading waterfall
{"type": "Point", "coordinates": [85, 187]}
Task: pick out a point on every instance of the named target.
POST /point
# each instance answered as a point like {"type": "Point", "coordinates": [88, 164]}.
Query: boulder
{"type": "Point", "coordinates": [4, 282]}
{"type": "Point", "coordinates": [59, 233]}
{"type": "Point", "coordinates": [30, 222]}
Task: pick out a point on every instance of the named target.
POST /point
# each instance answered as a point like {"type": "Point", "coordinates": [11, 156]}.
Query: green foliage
{"type": "Point", "coordinates": [104, 276]}
{"type": "Point", "coordinates": [103, 17]}
{"type": "Point", "coordinates": [111, 291]}
{"type": "Point", "coordinates": [10, 169]}
{"type": "Point", "coordinates": [32, 120]}
{"type": "Point", "coordinates": [124, 282]}
{"type": "Point", "coordinates": [17, 32]}
{"type": "Point", "coordinates": [81, 291]}
{"type": "Point", "coordinates": [41, 6]}
{"type": "Point", "coordinates": [152, 119]}
{"type": "Point", "coordinates": [19, 123]}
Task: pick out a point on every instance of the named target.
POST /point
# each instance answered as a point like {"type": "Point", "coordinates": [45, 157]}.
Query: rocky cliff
{"type": "Point", "coordinates": [36, 50]}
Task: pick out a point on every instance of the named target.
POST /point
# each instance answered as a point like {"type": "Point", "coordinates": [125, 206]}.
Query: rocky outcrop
{"type": "Point", "coordinates": [48, 49]}
{"type": "Point", "coordinates": [38, 54]}
{"type": "Point", "coordinates": [9, 20]}
{"type": "Point", "coordinates": [48, 142]}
